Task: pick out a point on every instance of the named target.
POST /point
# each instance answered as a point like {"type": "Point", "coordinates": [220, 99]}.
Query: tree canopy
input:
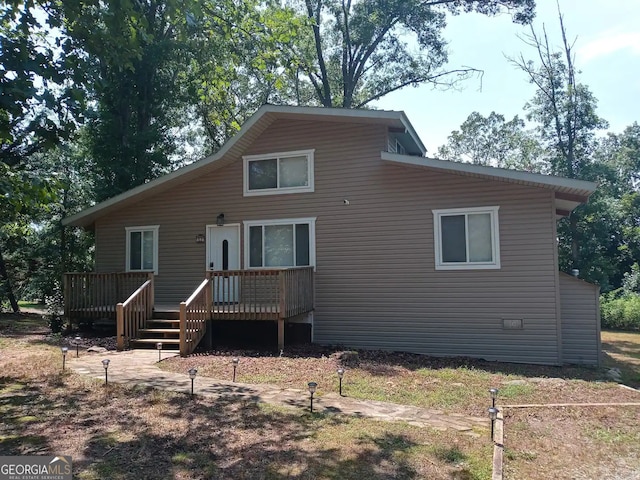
{"type": "Point", "coordinates": [362, 50]}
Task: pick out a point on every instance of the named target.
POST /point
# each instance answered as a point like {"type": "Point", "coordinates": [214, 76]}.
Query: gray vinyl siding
{"type": "Point", "coordinates": [376, 283]}
{"type": "Point", "coordinates": [580, 306]}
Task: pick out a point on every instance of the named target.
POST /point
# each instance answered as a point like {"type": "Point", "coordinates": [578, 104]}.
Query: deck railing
{"type": "Point", "coordinates": [261, 294]}
{"type": "Point", "coordinates": [296, 291]}
{"type": "Point", "coordinates": [194, 314]}
{"type": "Point", "coordinates": [132, 314]}
{"type": "Point", "coordinates": [91, 296]}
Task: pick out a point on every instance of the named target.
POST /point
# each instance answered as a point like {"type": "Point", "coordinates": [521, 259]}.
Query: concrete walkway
{"type": "Point", "coordinates": [139, 367]}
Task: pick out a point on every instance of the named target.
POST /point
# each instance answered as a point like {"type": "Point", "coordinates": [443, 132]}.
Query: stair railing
{"type": "Point", "coordinates": [133, 313]}
{"type": "Point", "coordinates": [194, 314]}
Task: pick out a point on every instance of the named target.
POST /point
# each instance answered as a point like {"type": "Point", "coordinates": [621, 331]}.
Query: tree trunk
{"type": "Point", "coordinates": [4, 276]}
{"type": "Point", "coordinates": [575, 244]}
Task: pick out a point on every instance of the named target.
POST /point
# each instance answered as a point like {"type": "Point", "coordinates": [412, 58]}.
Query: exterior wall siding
{"type": "Point", "coordinates": [376, 283]}
{"type": "Point", "coordinates": [580, 303]}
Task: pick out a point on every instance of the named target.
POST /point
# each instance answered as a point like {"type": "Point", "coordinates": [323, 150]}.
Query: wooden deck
{"type": "Point", "coordinates": [127, 299]}
{"type": "Point", "coordinates": [235, 311]}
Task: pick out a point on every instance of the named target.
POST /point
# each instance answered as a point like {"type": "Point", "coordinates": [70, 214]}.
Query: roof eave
{"type": "Point", "coordinates": [569, 189]}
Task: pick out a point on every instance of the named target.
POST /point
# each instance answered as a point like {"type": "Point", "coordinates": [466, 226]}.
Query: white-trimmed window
{"type": "Point", "coordinates": [142, 249]}
{"type": "Point", "coordinates": [280, 243]}
{"type": "Point", "coordinates": [277, 173]}
{"type": "Point", "coordinates": [467, 238]}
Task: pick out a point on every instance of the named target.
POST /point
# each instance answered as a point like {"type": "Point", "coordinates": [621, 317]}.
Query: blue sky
{"type": "Point", "coordinates": [607, 48]}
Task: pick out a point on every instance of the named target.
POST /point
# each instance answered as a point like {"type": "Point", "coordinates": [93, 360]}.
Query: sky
{"type": "Point", "coordinates": [607, 48]}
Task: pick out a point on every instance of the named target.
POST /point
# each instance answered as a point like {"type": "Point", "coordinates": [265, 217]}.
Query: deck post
{"type": "Point", "coordinates": [183, 329]}
{"type": "Point", "coordinates": [152, 292]}
{"type": "Point", "coordinates": [120, 326]}
{"type": "Point", "coordinates": [282, 292]}
{"type": "Point", "coordinates": [280, 334]}
{"type": "Point", "coordinates": [209, 296]}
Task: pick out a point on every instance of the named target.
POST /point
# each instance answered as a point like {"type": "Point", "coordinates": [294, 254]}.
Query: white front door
{"type": "Point", "coordinates": [224, 254]}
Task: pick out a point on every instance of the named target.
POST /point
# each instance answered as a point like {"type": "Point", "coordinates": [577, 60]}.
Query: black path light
{"type": "Point", "coordinates": [77, 341]}
{"type": "Point", "coordinates": [105, 364]}
{"type": "Point", "coordinates": [235, 361]}
{"type": "Point", "coordinates": [159, 347]}
{"type": "Point", "coordinates": [340, 372]}
{"type": "Point", "coordinates": [312, 389]}
{"type": "Point", "coordinates": [493, 414]}
{"type": "Point", "coordinates": [192, 375]}
{"type": "Point", "coordinates": [494, 395]}
{"type": "Point", "coordinates": [64, 351]}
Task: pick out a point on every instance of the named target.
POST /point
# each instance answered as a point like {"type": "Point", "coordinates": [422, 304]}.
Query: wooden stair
{"type": "Point", "coordinates": [163, 327]}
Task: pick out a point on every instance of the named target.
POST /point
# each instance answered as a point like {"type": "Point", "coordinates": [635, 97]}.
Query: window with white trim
{"type": "Point", "coordinates": [277, 173]}
{"type": "Point", "coordinates": [280, 243]}
{"type": "Point", "coordinates": [466, 238]}
{"type": "Point", "coordinates": [142, 249]}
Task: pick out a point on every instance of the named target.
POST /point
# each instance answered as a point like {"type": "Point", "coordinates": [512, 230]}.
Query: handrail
{"type": "Point", "coordinates": [133, 313]}
{"type": "Point", "coordinates": [194, 314]}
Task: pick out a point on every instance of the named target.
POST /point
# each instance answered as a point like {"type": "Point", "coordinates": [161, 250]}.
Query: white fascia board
{"type": "Point", "coordinates": [411, 131]}
{"type": "Point", "coordinates": [89, 212]}
{"type": "Point", "coordinates": [581, 187]}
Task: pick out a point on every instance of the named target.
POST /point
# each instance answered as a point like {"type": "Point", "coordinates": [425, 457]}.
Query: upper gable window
{"type": "Point", "coordinates": [467, 238]}
{"type": "Point", "coordinates": [276, 173]}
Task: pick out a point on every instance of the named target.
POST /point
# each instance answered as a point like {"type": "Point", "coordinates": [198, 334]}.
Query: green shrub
{"type": "Point", "coordinates": [620, 312]}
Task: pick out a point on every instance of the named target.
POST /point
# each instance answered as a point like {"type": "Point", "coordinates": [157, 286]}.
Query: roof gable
{"type": "Point", "coordinates": [233, 148]}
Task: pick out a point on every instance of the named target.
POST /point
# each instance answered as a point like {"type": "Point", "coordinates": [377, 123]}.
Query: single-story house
{"type": "Point", "coordinates": [335, 221]}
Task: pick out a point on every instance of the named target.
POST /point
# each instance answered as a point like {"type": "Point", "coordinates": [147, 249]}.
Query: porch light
{"type": "Point", "coordinates": [493, 414]}
{"type": "Point", "coordinates": [199, 238]}
{"type": "Point", "coordinates": [105, 364]}
{"type": "Point", "coordinates": [192, 375]}
{"type": "Point", "coordinates": [64, 351]}
{"type": "Point", "coordinates": [494, 394]}
{"type": "Point", "coordinates": [312, 389]}
{"type": "Point", "coordinates": [159, 347]}
{"type": "Point", "coordinates": [77, 341]}
{"type": "Point", "coordinates": [220, 220]}
{"type": "Point", "coordinates": [340, 372]}
{"type": "Point", "coordinates": [235, 361]}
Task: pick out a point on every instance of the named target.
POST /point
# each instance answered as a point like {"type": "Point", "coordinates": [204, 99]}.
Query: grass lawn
{"type": "Point", "coordinates": [128, 433]}
{"type": "Point", "coordinates": [455, 385]}
{"type": "Point", "coordinates": [134, 433]}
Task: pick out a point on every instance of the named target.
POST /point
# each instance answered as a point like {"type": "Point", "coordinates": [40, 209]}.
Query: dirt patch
{"type": "Point", "coordinates": [572, 443]}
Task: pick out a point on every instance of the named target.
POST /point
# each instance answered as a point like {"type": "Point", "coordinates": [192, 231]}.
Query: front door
{"type": "Point", "coordinates": [224, 255]}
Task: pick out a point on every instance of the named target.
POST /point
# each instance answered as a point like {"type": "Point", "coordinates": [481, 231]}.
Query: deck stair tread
{"type": "Point", "coordinates": [175, 341]}
{"type": "Point", "coordinates": [159, 330]}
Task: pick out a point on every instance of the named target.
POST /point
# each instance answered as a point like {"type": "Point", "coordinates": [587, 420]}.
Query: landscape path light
{"type": "Point", "coordinates": [64, 351]}
{"type": "Point", "coordinates": [494, 396]}
{"type": "Point", "coordinates": [340, 372]}
{"type": "Point", "coordinates": [192, 375]}
{"type": "Point", "coordinates": [493, 414]}
{"type": "Point", "coordinates": [312, 389]}
{"type": "Point", "coordinates": [78, 340]}
{"type": "Point", "coordinates": [105, 364]}
{"type": "Point", "coordinates": [235, 361]}
{"type": "Point", "coordinates": [159, 347]}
